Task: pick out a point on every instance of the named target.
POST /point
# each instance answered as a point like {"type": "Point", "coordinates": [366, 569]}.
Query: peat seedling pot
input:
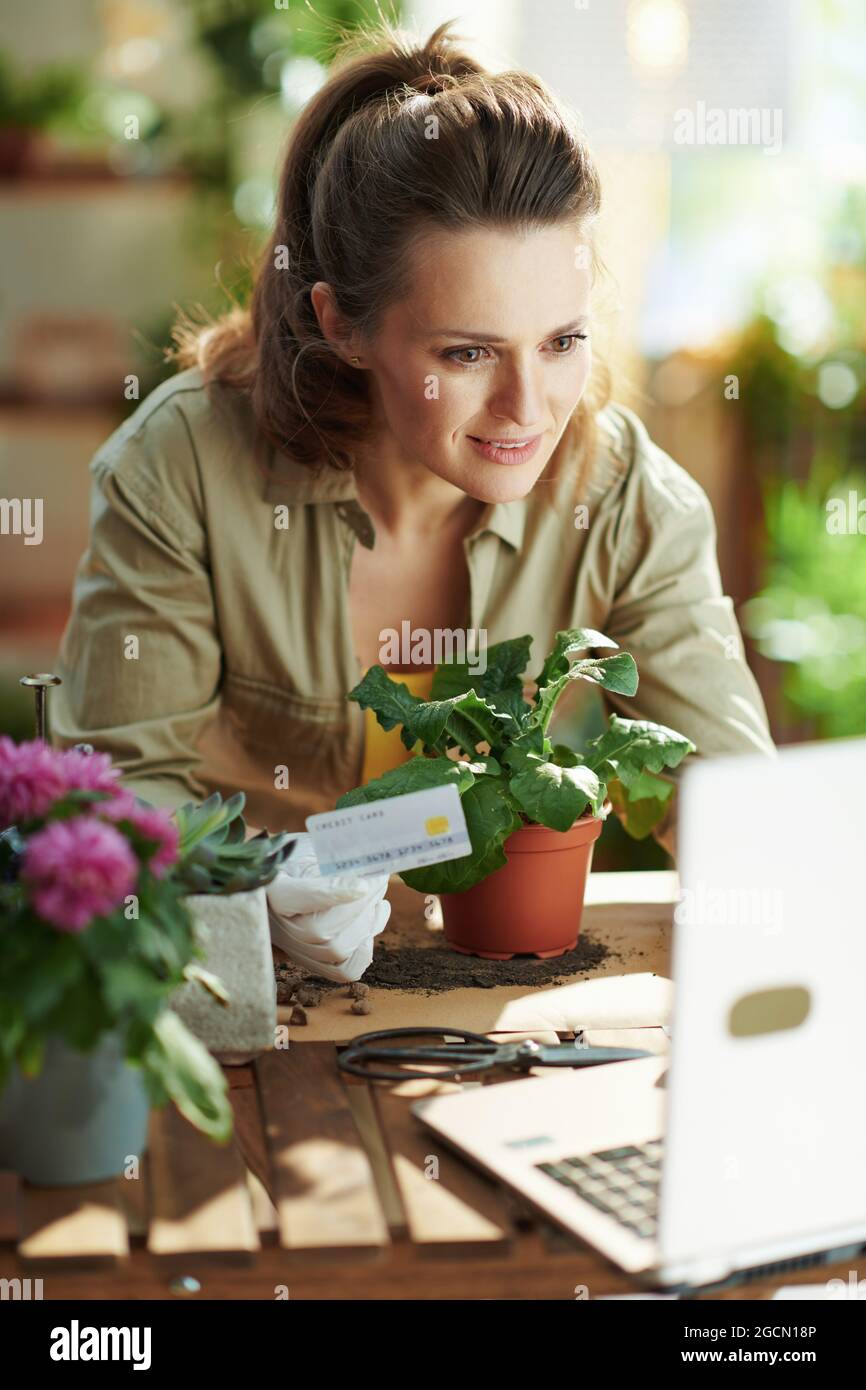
{"type": "Point", "coordinates": [533, 904]}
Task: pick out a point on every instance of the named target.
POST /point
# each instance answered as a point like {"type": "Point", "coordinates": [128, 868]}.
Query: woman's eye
{"type": "Point", "coordinates": [457, 354]}
{"type": "Point", "coordinates": [571, 341]}
{"type": "Point", "coordinates": [454, 355]}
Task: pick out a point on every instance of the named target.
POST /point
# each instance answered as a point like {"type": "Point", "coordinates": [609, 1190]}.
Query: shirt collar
{"type": "Point", "coordinates": [295, 482]}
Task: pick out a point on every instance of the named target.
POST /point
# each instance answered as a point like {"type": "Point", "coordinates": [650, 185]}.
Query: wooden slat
{"type": "Point", "coordinates": [239, 1078]}
{"type": "Point", "coordinates": [84, 1224]}
{"type": "Point", "coordinates": [250, 1135]}
{"type": "Point", "coordinates": [264, 1211]}
{"type": "Point", "coordinates": [370, 1130]}
{"type": "Point", "coordinates": [254, 1151]}
{"type": "Point", "coordinates": [460, 1207]}
{"type": "Point", "coordinates": [199, 1197]}
{"type": "Point", "coordinates": [325, 1192]}
{"type": "Point", "coordinates": [134, 1199]}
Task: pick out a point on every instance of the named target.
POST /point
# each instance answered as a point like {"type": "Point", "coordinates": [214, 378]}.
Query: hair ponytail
{"type": "Point", "coordinates": [358, 181]}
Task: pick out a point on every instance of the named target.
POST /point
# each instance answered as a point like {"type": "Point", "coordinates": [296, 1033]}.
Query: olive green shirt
{"type": "Point", "coordinates": [210, 646]}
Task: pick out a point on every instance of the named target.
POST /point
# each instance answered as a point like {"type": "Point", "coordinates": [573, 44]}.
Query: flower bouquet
{"type": "Point", "coordinates": [95, 937]}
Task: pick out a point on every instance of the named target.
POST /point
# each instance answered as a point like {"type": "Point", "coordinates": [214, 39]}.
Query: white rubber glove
{"type": "Point", "coordinates": [326, 924]}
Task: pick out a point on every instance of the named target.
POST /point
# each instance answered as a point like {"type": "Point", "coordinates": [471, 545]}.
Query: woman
{"type": "Point", "coordinates": [414, 375]}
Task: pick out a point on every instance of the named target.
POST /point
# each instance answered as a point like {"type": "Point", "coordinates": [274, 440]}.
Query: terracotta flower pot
{"type": "Point", "coordinates": [534, 903]}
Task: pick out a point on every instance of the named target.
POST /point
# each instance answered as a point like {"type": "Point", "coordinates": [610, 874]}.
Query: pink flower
{"type": "Point", "coordinates": [121, 806]}
{"type": "Point", "coordinates": [151, 823]}
{"type": "Point", "coordinates": [77, 870]}
{"type": "Point", "coordinates": [90, 772]}
{"type": "Point", "coordinates": [33, 776]}
{"type": "Point", "coordinates": [31, 780]}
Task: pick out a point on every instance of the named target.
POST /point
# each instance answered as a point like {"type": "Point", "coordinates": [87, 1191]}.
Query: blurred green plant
{"type": "Point", "coordinates": [249, 39]}
{"type": "Point", "coordinates": [33, 102]}
{"type": "Point", "coordinates": [811, 613]}
{"type": "Point", "coordinates": [805, 416]}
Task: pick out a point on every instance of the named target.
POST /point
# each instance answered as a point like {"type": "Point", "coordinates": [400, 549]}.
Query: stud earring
{"type": "Point", "coordinates": [355, 361]}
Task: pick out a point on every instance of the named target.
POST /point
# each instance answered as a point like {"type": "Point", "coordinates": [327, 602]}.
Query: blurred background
{"type": "Point", "coordinates": [140, 143]}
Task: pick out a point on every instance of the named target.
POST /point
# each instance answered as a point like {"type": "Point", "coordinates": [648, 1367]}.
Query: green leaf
{"type": "Point", "coordinates": [639, 816]}
{"type": "Point", "coordinates": [565, 756]}
{"type": "Point", "coordinates": [391, 701]}
{"type": "Point", "coordinates": [82, 1015]}
{"type": "Point", "coordinates": [131, 984]}
{"type": "Point", "coordinates": [568, 641]}
{"type": "Point", "coordinates": [505, 664]}
{"type": "Point", "coordinates": [491, 816]}
{"type": "Point", "coordinates": [196, 823]}
{"type": "Point", "coordinates": [500, 684]}
{"type": "Point", "coordinates": [196, 878]}
{"type": "Point", "coordinates": [466, 719]}
{"type": "Point", "coordinates": [181, 1066]}
{"type": "Point", "coordinates": [511, 702]}
{"type": "Point", "coordinates": [631, 746]}
{"type": "Point", "coordinates": [415, 775]}
{"type": "Point", "coordinates": [552, 795]}
{"type": "Point", "coordinates": [41, 981]}
{"type": "Point", "coordinates": [648, 784]}
{"type": "Point", "coordinates": [617, 673]}
{"type": "Point", "coordinates": [485, 766]}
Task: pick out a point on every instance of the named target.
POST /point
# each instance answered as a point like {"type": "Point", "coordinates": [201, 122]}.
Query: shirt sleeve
{"type": "Point", "coordinates": [140, 658]}
{"type": "Point", "coordinates": [669, 610]}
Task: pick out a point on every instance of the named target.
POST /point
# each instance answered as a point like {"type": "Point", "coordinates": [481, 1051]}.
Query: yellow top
{"type": "Point", "coordinates": [384, 748]}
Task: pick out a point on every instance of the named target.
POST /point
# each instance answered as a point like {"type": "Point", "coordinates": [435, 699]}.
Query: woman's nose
{"type": "Point", "coordinates": [517, 396]}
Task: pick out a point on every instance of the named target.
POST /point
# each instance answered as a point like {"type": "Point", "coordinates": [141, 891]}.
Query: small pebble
{"type": "Point", "coordinates": [298, 1015]}
{"type": "Point", "coordinates": [361, 1006]}
{"type": "Point", "coordinates": [308, 997]}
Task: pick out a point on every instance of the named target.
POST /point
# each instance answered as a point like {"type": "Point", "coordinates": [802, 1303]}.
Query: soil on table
{"type": "Point", "coordinates": [432, 969]}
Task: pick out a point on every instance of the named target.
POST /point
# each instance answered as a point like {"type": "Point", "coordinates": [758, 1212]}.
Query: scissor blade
{"type": "Point", "coordinates": [568, 1055]}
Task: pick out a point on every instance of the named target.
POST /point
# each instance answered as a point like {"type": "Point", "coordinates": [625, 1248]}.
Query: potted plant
{"type": "Point", "coordinates": [224, 874]}
{"type": "Point", "coordinates": [28, 105]}
{"type": "Point", "coordinates": [95, 937]}
{"type": "Point", "coordinates": [534, 809]}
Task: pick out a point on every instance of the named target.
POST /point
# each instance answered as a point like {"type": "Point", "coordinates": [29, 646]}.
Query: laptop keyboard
{"type": "Point", "coordinates": [622, 1182]}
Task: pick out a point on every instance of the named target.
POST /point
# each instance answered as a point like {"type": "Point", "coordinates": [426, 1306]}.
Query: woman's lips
{"type": "Point", "coordinates": [490, 451]}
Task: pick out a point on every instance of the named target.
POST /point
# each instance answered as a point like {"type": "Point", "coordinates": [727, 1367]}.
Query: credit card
{"type": "Point", "coordinates": [388, 836]}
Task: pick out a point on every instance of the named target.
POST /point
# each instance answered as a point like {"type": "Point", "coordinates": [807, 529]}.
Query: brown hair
{"type": "Point", "coordinates": [359, 182]}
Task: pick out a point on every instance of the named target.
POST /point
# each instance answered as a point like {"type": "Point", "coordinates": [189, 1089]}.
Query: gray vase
{"type": "Point", "coordinates": [79, 1120]}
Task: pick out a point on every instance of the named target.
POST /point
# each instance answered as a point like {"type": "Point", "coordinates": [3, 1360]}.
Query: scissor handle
{"type": "Point", "coordinates": [480, 1055]}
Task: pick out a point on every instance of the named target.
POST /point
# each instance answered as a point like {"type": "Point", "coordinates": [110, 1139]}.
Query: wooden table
{"type": "Point", "coordinates": [323, 1191]}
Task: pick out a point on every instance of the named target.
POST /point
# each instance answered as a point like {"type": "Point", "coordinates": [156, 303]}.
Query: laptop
{"type": "Point", "coordinates": [743, 1151]}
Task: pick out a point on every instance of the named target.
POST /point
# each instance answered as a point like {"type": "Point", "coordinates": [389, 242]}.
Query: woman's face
{"type": "Point", "coordinates": [491, 344]}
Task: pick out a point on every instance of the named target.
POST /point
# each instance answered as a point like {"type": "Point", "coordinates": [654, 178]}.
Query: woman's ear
{"type": "Point", "coordinates": [332, 323]}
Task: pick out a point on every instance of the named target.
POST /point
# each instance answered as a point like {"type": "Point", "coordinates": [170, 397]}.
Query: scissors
{"type": "Point", "coordinates": [473, 1053]}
